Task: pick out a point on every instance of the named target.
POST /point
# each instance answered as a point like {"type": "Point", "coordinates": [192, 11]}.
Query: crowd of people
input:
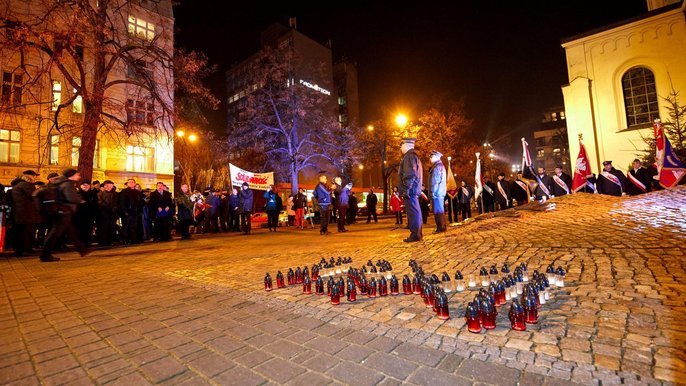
{"type": "Point", "coordinates": [43, 216]}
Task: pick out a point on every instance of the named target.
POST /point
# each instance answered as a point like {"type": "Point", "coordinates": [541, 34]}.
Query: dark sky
{"type": "Point", "coordinates": [503, 58]}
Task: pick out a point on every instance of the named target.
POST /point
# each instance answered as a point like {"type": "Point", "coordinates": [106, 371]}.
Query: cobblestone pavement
{"type": "Point", "coordinates": [195, 312]}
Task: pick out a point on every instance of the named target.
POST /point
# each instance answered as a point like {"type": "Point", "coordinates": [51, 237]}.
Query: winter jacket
{"type": "Point", "coordinates": [24, 208]}
{"type": "Point", "coordinates": [321, 192]}
{"type": "Point", "coordinates": [410, 175]}
{"type": "Point", "coordinates": [396, 202]}
{"type": "Point", "coordinates": [184, 206]}
{"type": "Point", "coordinates": [438, 180]}
{"type": "Point", "coordinates": [246, 201]}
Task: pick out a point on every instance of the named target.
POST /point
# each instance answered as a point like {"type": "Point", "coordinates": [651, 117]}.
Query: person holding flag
{"type": "Point", "coordinates": [611, 181]}
{"type": "Point", "coordinates": [452, 195]}
{"type": "Point", "coordinates": [638, 179]}
{"type": "Point", "coordinates": [520, 190]}
{"type": "Point", "coordinates": [670, 169]}
{"type": "Point", "coordinates": [541, 186]}
{"type": "Point", "coordinates": [478, 182]}
{"type": "Point", "coordinates": [583, 178]}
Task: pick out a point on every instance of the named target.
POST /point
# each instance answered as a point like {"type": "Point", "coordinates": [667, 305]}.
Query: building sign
{"type": "Point", "coordinates": [258, 181]}
{"type": "Point", "coordinates": [315, 87]}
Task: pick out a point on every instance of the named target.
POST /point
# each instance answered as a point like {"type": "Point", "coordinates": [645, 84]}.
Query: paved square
{"type": "Point", "coordinates": [195, 311]}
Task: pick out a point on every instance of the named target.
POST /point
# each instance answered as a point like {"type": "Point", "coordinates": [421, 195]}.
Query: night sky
{"type": "Point", "coordinates": [503, 58]}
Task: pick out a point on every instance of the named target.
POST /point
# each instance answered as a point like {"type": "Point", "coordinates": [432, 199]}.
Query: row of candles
{"type": "Point", "coordinates": [497, 288]}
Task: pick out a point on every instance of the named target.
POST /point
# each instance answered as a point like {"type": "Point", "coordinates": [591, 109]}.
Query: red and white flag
{"type": "Point", "coordinates": [582, 170]}
{"type": "Point", "coordinates": [478, 181]}
{"type": "Point", "coordinates": [670, 169]}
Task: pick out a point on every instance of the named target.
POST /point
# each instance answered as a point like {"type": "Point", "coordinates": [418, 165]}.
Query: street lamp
{"type": "Point", "coordinates": [370, 127]}
{"type": "Point", "coordinates": [192, 137]}
{"type": "Point", "coordinates": [180, 133]}
{"type": "Point", "coordinates": [401, 120]}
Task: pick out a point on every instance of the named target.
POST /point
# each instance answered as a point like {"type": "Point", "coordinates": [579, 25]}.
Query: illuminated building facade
{"type": "Point", "coordinates": [552, 147]}
{"type": "Point", "coordinates": [28, 108]}
{"type": "Point", "coordinates": [618, 77]}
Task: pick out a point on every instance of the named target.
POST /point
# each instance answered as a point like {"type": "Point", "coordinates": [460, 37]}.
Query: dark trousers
{"type": "Point", "coordinates": [183, 227]}
{"type": "Point", "coordinates": [399, 217]}
{"type": "Point", "coordinates": [246, 222]}
{"type": "Point", "coordinates": [234, 221]}
{"type": "Point", "coordinates": [62, 226]}
{"type": "Point", "coordinates": [342, 214]}
{"type": "Point", "coordinates": [130, 233]}
{"type": "Point", "coordinates": [25, 233]}
{"type": "Point", "coordinates": [324, 219]}
{"type": "Point", "coordinates": [210, 223]}
{"type": "Point", "coordinates": [425, 215]}
{"type": "Point", "coordinates": [84, 224]}
{"type": "Point", "coordinates": [466, 210]}
{"type": "Point", "coordinates": [414, 217]}
{"type": "Point", "coordinates": [502, 205]}
{"type": "Point", "coordinates": [163, 228]}
{"type": "Point", "coordinates": [272, 219]}
{"type": "Point", "coordinates": [453, 209]}
{"type": "Point", "coordinates": [107, 231]}
{"type": "Point", "coordinates": [371, 211]}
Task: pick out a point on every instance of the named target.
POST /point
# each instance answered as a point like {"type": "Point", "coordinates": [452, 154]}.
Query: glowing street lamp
{"type": "Point", "coordinates": [361, 167]}
{"type": "Point", "coordinates": [180, 133]}
{"type": "Point", "coordinates": [370, 127]}
{"type": "Point", "coordinates": [401, 120]}
{"type": "Point", "coordinates": [192, 137]}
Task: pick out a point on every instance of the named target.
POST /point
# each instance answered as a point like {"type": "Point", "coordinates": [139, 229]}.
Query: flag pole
{"type": "Point", "coordinates": [483, 209]}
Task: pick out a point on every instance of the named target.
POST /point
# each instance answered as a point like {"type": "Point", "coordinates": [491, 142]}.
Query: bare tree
{"type": "Point", "coordinates": [293, 125]}
{"type": "Point", "coordinates": [120, 67]}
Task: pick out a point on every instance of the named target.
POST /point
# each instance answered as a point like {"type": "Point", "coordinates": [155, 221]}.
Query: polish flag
{"type": "Point", "coordinates": [478, 181]}
{"type": "Point", "coordinates": [670, 168]}
{"type": "Point", "coordinates": [582, 170]}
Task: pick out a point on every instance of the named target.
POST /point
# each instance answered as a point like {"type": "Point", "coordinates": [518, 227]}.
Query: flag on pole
{"type": "Point", "coordinates": [528, 167]}
{"type": "Point", "coordinates": [451, 185]}
{"type": "Point", "coordinates": [478, 181]}
{"type": "Point", "coordinates": [670, 168]}
{"type": "Point", "coordinates": [582, 170]}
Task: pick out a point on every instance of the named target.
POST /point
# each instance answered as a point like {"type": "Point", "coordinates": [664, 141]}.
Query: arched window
{"type": "Point", "coordinates": [640, 96]}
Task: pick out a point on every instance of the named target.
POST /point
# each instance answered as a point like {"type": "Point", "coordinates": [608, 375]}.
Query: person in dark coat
{"type": "Point", "coordinates": [654, 178]}
{"type": "Point", "coordinates": [210, 222]}
{"type": "Point", "coordinates": [464, 198]}
{"type": "Point", "coordinates": [342, 201]}
{"type": "Point", "coordinates": [520, 190]}
{"type": "Point", "coordinates": [487, 197]}
{"type": "Point", "coordinates": [272, 208]}
{"type": "Point", "coordinates": [234, 216]}
{"type": "Point", "coordinates": [245, 207]}
{"type": "Point", "coordinates": [322, 194]}
{"type": "Point", "coordinates": [184, 211]}
{"type": "Point", "coordinates": [371, 202]}
{"type": "Point", "coordinates": [503, 192]}
{"type": "Point", "coordinates": [638, 179]}
{"type": "Point", "coordinates": [561, 182]}
{"type": "Point", "coordinates": [424, 204]}
{"type": "Point", "coordinates": [68, 199]}
{"type": "Point", "coordinates": [84, 219]}
{"type": "Point", "coordinates": [611, 181]}
{"type": "Point", "coordinates": [224, 211]}
{"type": "Point", "coordinates": [438, 177]}
{"type": "Point", "coordinates": [130, 204]}
{"type": "Point", "coordinates": [108, 207]}
{"type": "Point", "coordinates": [25, 213]}
{"type": "Point", "coordinates": [410, 177]}
{"type": "Point", "coordinates": [162, 211]}
{"type": "Point", "coordinates": [545, 187]}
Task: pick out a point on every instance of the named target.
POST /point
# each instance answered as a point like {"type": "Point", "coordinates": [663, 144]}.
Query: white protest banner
{"type": "Point", "coordinates": [258, 181]}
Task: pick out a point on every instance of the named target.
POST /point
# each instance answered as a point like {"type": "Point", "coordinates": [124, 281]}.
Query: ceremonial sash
{"type": "Point", "coordinates": [488, 189]}
{"type": "Point", "coordinates": [502, 191]}
{"type": "Point", "coordinates": [465, 192]}
{"type": "Point", "coordinates": [636, 182]}
{"type": "Point", "coordinates": [523, 186]}
{"type": "Point", "coordinates": [542, 186]}
{"type": "Point", "coordinates": [561, 183]}
{"type": "Point", "coordinates": [612, 178]}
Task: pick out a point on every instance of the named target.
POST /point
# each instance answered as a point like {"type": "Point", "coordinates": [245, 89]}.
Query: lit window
{"type": "Point", "coordinates": [76, 149]}
{"type": "Point", "coordinates": [11, 88]}
{"type": "Point", "coordinates": [9, 145]}
{"type": "Point", "coordinates": [556, 151]}
{"type": "Point", "coordinates": [77, 105]}
{"type": "Point", "coordinates": [640, 96]}
{"type": "Point", "coordinates": [54, 149]}
{"type": "Point", "coordinates": [554, 117]}
{"type": "Point", "coordinates": [141, 28]}
{"type": "Point", "coordinates": [562, 115]}
{"type": "Point", "coordinates": [140, 112]}
{"type": "Point", "coordinates": [342, 101]}
{"type": "Point", "coordinates": [139, 159]}
{"type": "Point", "coordinates": [540, 153]}
{"type": "Point", "coordinates": [56, 94]}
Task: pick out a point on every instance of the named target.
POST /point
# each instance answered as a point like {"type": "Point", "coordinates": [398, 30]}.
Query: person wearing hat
{"type": "Point", "coordinates": [438, 177]}
{"type": "Point", "coordinates": [25, 213]}
{"type": "Point", "coordinates": [322, 195]}
{"type": "Point", "coordinates": [52, 177]}
{"type": "Point", "coordinates": [410, 176]}
{"type": "Point", "coordinates": [245, 199]}
{"type": "Point", "coordinates": [611, 181]}
{"type": "Point", "coordinates": [68, 199]}
{"type": "Point", "coordinates": [638, 179]}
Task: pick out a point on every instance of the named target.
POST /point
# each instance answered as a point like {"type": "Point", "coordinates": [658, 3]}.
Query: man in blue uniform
{"type": "Point", "coordinates": [410, 176]}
